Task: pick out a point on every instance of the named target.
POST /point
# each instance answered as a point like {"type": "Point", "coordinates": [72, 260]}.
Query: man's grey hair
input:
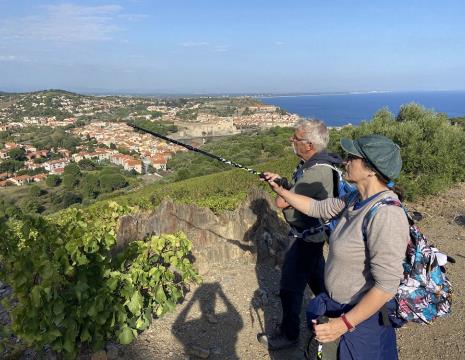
{"type": "Point", "coordinates": [315, 131]}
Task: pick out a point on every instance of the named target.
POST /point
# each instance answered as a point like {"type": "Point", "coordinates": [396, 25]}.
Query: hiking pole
{"type": "Point", "coordinates": [280, 181]}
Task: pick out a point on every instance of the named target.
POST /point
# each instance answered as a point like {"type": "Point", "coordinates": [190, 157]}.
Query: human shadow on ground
{"type": "Point", "coordinates": [211, 329]}
{"type": "Point", "coordinates": [267, 239]}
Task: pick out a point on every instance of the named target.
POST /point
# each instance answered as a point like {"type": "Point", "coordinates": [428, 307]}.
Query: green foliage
{"type": "Point", "coordinates": [35, 191]}
{"type": "Point", "coordinates": [32, 172]}
{"type": "Point", "coordinates": [55, 138]}
{"type": "Point", "coordinates": [246, 150]}
{"type": "Point", "coordinates": [110, 182]}
{"type": "Point", "coordinates": [69, 198]}
{"type": "Point", "coordinates": [187, 114]}
{"type": "Point", "coordinates": [10, 166]}
{"type": "Point", "coordinates": [219, 192]}
{"type": "Point", "coordinates": [161, 127]}
{"type": "Point", "coordinates": [53, 180]}
{"type": "Point", "coordinates": [72, 169]}
{"type": "Point", "coordinates": [71, 176]}
{"type": "Point", "coordinates": [30, 205]}
{"type": "Point", "coordinates": [70, 290]}
{"type": "Point", "coordinates": [69, 181]}
{"type": "Point", "coordinates": [432, 150]}
{"type": "Point", "coordinates": [90, 186]}
{"type": "Point", "coordinates": [18, 154]}
{"type": "Point", "coordinates": [458, 121]}
{"type": "Point", "coordinates": [87, 164]}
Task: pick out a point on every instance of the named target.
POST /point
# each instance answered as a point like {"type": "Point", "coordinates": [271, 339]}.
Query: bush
{"type": "Point", "coordinates": [68, 288]}
{"type": "Point", "coordinates": [87, 164]}
{"type": "Point", "coordinates": [90, 186]}
{"type": "Point", "coordinates": [53, 180]}
{"type": "Point", "coordinates": [431, 149]}
{"type": "Point", "coordinates": [110, 182]}
{"type": "Point", "coordinates": [70, 198]}
{"type": "Point", "coordinates": [72, 169]}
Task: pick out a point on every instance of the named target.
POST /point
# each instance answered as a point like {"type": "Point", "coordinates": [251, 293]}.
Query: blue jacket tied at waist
{"type": "Point", "coordinates": [371, 339]}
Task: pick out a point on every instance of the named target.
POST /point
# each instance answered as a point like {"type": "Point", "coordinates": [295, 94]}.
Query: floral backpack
{"type": "Point", "coordinates": [425, 293]}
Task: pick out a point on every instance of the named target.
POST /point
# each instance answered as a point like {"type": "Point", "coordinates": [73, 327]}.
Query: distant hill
{"type": "Point", "coordinates": [44, 92]}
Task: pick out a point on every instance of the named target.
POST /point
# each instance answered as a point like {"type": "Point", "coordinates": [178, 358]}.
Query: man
{"type": "Point", "coordinates": [304, 261]}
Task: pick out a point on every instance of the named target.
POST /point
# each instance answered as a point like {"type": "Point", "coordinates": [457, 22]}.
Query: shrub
{"type": "Point", "coordinates": [110, 182]}
{"type": "Point", "coordinates": [87, 164]}
{"type": "Point", "coordinates": [53, 180]}
{"type": "Point", "coordinates": [431, 149]}
{"type": "Point", "coordinates": [69, 198]}
{"type": "Point", "coordinates": [69, 290]}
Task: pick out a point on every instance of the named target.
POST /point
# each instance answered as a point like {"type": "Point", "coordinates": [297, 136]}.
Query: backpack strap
{"type": "Point", "coordinates": [374, 209]}
{"type": "Point", "coordinates": [337, 180]}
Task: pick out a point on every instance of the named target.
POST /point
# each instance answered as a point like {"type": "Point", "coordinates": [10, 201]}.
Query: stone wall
{"type": "Point", "coordinates": [253, 232]}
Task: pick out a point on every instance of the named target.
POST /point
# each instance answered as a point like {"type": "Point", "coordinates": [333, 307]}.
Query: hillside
{"type": "Point", "coordinates": [237, 240]}
{"type": "Point", "coordinates": [247, 300]}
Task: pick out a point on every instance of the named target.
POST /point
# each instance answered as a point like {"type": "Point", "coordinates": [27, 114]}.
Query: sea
{"type": "Point", "coordinates": [352, 108]}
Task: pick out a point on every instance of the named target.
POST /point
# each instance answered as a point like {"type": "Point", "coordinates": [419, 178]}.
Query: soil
{"type": "Point", "coordinates": [220, 318]}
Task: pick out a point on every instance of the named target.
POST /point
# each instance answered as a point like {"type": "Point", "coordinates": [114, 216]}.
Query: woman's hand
{"type": "Point", "coordinates": [330, 331]}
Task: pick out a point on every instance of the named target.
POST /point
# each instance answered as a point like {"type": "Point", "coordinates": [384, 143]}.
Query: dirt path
{"type": "Point", "coordinates": [220, 318]}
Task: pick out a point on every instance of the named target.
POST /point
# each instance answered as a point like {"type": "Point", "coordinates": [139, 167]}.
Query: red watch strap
{"type": "Point", "coordinates": [350, 327]}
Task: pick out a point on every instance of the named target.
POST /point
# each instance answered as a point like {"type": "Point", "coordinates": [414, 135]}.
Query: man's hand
{"type": "Point", "coordinates": [270, 177]}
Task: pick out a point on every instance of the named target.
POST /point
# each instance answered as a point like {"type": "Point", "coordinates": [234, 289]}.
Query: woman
{"type": "Point", "coordinates": [364, 267]}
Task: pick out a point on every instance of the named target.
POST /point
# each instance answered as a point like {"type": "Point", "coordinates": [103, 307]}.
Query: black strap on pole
{"type": "Point", "coordinates": [192, 148]}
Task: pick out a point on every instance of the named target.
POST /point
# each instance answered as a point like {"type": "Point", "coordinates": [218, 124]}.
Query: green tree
{"type": "Point", "coordinates": [87, 164]}
{"type": "Point", "coordinates": [111, 182]}
{"type": "Point", "coordinates": [411, 112]}
{"type": "Point", "coordinates": [53, 180]}
{"type": "Point", "coordinates": [90, 186]}
{"type": "Point", "coordinates": [69, 198]}
{"type": "Point", "coordinates": [35, 191]}
{"type": "Point", "coordinates": [10, 166]}
{"type": "Point", "coordinates": [71, 176]}
{"type": "Point", "coordinates": [70, 181]}
{"type": "Point", "coordinates": [18, 154]}
{"type": "Point", "coordinates": [72, 169]}
{"type": "Point", "coordinates": [30, 205]}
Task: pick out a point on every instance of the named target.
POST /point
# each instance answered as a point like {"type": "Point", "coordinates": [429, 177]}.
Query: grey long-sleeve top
{"type": "Point", "coordinates": [354, 266]}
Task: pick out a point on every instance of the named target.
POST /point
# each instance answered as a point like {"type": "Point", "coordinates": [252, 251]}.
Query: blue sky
{"type": "Point", "coordinates": [207, 46]}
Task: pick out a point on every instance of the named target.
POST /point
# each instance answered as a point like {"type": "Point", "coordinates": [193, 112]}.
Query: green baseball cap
{"type": "Point", "coordinates": [379, 151]}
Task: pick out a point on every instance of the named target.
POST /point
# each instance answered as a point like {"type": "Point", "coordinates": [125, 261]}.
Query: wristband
{"type": "Point", "coordinates": [350, 327]}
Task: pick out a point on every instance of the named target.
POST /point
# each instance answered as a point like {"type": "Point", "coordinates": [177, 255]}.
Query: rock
{"type": "Point", "coordinates": [198, 351]}
{"type": "Point", "coordinates": [99, 355]}
{"type": "Point", "coordinates": [112, 352]}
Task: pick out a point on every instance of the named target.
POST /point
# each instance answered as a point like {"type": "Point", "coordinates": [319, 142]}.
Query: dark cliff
{"type": "Point", "coordinates": [253, 232]}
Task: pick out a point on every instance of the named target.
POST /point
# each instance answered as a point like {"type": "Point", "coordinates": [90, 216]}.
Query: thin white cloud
{"type": "Point", "coordinates": [193, 43]}
{"type": "Point", "coordinates": [7, 58]}
{"type": "Point", "coordinates": [221, 48]}
{"type": "Point", "coordinates": [279, 43]}
{"type": "Point", "coordinates": [133, 17]}
{"type": "Point", "coordinates": [65, 22]}
{"type": "Point", "coordinates": [14, 58]}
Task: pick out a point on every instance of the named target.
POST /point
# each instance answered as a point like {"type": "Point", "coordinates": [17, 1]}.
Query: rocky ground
{"type": "Point", "coordinates": [220, 318]}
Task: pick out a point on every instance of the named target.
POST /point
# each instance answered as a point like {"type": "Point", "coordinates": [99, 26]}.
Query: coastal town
{"type": "Point", "coordinates": [103, 121]}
